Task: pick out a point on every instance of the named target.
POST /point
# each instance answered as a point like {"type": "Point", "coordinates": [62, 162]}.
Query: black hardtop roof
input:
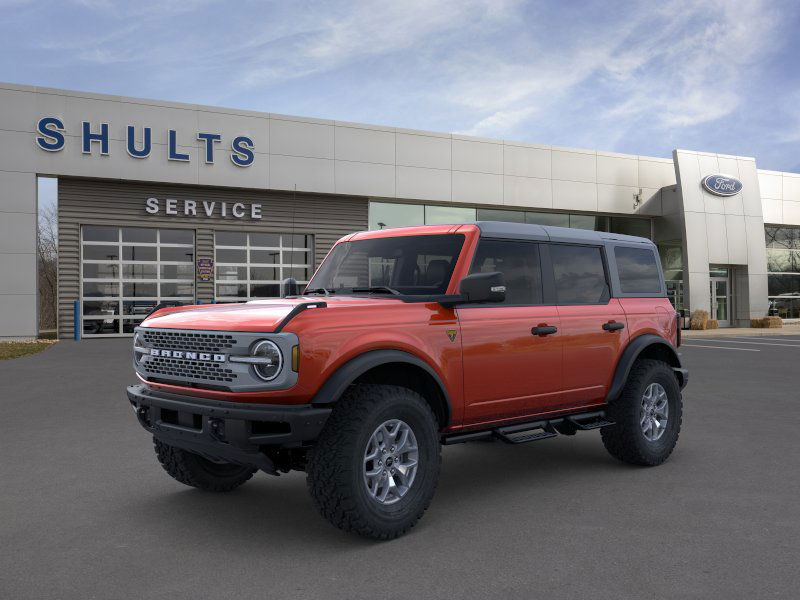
{"type": "Point", "coordinates": [525, 231]}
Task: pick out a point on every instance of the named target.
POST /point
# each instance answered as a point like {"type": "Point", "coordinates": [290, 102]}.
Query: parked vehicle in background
{"type": "Point", "coordinates": [407, 339]}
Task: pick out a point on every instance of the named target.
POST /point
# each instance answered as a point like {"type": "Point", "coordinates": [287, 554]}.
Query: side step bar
{"type": "Point", "coordinates": [520, 433]}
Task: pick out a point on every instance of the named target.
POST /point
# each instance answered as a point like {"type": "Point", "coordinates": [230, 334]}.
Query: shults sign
{"type": "Point", "coordinates": [51, 137]}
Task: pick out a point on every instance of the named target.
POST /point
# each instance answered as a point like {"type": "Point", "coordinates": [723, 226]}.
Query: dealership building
{"type": "Point", "coordinates": [180, 203]}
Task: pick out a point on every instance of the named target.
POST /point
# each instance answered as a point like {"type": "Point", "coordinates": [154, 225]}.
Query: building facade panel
{"type": "Point", "coordinates": [302, 170]}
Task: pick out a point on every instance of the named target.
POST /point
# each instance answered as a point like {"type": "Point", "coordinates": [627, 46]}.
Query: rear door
{"type": "Point", "coordinates": [593, 324]}
{"type": "Point", "coordinates": [509, 370]}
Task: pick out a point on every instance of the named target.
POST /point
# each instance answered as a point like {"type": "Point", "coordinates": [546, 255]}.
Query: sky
{"type": "Point", "coordinates": [632, 77]}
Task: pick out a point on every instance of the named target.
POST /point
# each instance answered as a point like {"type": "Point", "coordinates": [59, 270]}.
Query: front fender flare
{"type": "Point", "coordinates": [346, 374]}
{"type": "Point", "coordinates": [633, 350]}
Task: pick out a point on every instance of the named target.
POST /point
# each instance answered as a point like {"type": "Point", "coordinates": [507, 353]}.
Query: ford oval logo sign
{"type": "Point", "coordinates": [722, 185]}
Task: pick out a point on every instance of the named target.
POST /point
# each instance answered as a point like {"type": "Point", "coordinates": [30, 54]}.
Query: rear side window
{"type": "Point", "coordinates": [579, 274]}
{"type": "Point", "coordinates": [519, 264]}
{"type": "Point", "coordinates": [638, 271]}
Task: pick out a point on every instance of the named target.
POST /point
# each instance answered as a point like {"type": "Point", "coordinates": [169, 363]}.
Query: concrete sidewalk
{"type": "Point", "coordinates": [787, 329]}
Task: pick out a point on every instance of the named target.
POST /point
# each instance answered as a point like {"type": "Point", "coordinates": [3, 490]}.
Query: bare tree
{"type": "Point", "coordinates": [47, 267]}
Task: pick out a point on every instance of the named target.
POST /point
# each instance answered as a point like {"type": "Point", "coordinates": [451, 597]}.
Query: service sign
{"type": "Point", "coordinates": [722, 185]}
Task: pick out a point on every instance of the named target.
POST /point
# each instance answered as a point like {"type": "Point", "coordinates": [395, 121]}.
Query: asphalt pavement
{"type": "Point", "coordinates": [87, 512]}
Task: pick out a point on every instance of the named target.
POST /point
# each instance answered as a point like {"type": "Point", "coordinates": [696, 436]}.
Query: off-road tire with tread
{"type": "Point", "coordinates": [335, 464]}
{"type": "Point", "coordinates": [194, 470]}
{"type": "Point", "coordinates": [624, 440]}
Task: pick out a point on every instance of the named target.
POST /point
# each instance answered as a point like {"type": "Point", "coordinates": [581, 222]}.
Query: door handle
{"type": "Point", "coordinates": [544, 330]}
{"type": "Point", "coordinates": [613, 326]}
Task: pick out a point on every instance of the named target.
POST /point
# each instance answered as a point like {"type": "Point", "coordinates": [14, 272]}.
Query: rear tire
{"type": "Point", "coordinates": [194, 470]}
{"type": "Point", "coordinates": [367, 420]}
{"type": "Point", "coordinates": [647, 415]}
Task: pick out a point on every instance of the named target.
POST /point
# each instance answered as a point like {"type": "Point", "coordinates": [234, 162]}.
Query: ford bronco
{"type": "Point", "coordinates": [406, 340]}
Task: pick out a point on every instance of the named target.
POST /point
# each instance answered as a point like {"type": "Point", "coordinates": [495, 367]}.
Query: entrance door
{"type": "Point", "coordinates": [720, 297]}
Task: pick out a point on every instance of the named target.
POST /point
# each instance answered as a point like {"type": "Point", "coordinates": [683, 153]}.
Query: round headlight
{"type": "Point", "coordinates": [268, 368]}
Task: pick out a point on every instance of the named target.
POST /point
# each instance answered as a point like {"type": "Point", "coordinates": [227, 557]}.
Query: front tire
{"type": "Point", "coordinates": [376, 463]}
{"type": "Point", "coordinates": [647, 415]}
{"type": "Point", "coordinates": [195, 471]}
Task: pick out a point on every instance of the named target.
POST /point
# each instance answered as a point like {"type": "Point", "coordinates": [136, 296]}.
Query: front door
{"type": "Point", "coordinates": [510, 370]}
{"type": "Point", "coordinates": [720, 297]}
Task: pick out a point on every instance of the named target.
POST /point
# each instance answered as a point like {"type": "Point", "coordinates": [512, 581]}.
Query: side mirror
{"type": "Point", "coordinates": [479, 287]}
{"type": "Point", "coordinates": [289, 287]}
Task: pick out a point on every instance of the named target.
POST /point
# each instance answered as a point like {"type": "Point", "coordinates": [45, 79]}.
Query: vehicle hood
{"type": "Point", "coordinates": [256, 316]}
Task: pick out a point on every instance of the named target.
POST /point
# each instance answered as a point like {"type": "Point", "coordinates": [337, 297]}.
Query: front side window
{"type": "Point", "coordinates": [579, 274]}
{"type": "Point", "coordinates": [519, 264]}
{"type": "Point", "coordinates": [411, 265]}
{"type": "Point", "coordinates": [638, 271]}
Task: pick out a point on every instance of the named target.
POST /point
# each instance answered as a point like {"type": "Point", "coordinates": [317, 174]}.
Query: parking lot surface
{"type": "Point", "coordinates": [87, 511]}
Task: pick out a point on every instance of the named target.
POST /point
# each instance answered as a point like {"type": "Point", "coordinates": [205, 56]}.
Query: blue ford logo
{"type": "Point", "coordinates": [722, 185]}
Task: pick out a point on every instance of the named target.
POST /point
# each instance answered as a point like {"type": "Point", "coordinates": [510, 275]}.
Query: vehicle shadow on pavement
{"type": "Point", "coordinates": [268, 511]}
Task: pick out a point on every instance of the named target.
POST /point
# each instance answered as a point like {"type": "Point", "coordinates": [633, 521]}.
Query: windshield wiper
{"type": "Point", "coordinates": [324, 291]}
{"type": "Point", "coordinates": [377, 289]}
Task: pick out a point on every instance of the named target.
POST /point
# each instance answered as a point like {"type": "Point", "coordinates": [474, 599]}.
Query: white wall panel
{"type": "Point", "coordinates": [423, 151]}
{"type": "Point", "coordinates": [423, 184]}
{"type": "Point", "coordinates": [655, 174]}
{"type": "Point", "coordinates": [477, 188]}
{"type": "Point", "coordinates": [364, 145]}
{"type": "Point", "coordinates": [617, 171]}
{"type": "Point", "coordinates": [525, 161]}
{"type": "Point", "coordinates": [478, 157]}
{"type": "Point", "coordinates": [572, 195]}
{"type": "Point", "coordinates": [308, 174]}
{"type": "Point", "coordinates": [574, 166]}
{"type": "Point", "coordinates": [527, 192]}
{"type": "Point", "coordinates": [791, 187]}
{"type": "Point", "coordinates": [771, 185]}
{"type": "Point", "coordinates": [295, 138]}
{"type": "Point", "coordinates": [364, 179]}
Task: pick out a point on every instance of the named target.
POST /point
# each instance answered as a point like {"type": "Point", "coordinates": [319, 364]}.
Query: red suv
{"type": "Point", "coordinates": [407, 339]}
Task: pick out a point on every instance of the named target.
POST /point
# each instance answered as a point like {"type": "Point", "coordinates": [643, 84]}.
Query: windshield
{"type": "Point", "coordinates": [409, 265]}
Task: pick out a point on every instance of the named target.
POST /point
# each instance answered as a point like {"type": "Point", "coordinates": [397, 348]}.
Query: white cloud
{"type": "Point", "coordinates": [675, 64]}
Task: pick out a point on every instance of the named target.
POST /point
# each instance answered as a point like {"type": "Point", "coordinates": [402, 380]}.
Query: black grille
{"type": "Point", "coordinates": [193, 342]}
{"type": "Point", "coordinates": [192, 369]}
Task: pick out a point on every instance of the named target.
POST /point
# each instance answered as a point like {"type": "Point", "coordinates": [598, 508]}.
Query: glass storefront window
{"type": "Point", "coordinates": [121, 266]}
{"type": "Point", "coordinates": [630, 226]}
{"type": "Point", "coordinates": [251, 265]}
{"type": "Point", "coordinates": [542, 218]}
{"type": "Point", "coordinates": [783, 270]}
{"type": "Point", "coordinates": [444, 215]}
{"type": "Point", "coordinates": [785, 237]}
{"type": "Point", "coordinates": [384, 215]}
{"type": "Point", "coordinates": [509, 216]}
{"type": "Point", "coordinates": [672, 264]}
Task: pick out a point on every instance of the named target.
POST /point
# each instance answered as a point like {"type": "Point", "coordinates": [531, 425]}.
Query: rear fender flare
{"type": "Point", "coordinates": [633, 350]}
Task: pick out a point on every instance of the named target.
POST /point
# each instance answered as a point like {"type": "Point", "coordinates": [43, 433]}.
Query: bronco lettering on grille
{"type": "Point", "coordinates": [204, 356]}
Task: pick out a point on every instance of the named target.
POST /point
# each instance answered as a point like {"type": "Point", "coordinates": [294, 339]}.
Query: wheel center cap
{"type": "Point", "coordinates": [389, 461]}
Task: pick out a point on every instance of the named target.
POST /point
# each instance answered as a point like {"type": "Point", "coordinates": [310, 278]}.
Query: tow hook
{"type": "Point", "coordinates": [217, 429]}
{"type": "Point", "coordinates": [143, 414]}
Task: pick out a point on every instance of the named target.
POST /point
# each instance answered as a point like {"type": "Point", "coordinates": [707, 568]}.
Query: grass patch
{"type": "Point", "coordinates": [10, 350]}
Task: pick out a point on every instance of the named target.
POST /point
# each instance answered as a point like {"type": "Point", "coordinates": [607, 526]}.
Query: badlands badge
{"type": "Point", "coordinates": [452, 333]}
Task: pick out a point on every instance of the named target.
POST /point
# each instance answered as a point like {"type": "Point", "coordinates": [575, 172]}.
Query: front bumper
{"type": "Point", "coordinates": [228, 431]}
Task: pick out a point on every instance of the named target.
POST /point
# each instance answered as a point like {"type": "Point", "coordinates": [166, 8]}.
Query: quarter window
{"type": "Point", "coordinates": [579, 274]}
{"type": "Point", "coordinates": [638, 272]}
{"type": "Point", "coordinates": [519, 264]}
